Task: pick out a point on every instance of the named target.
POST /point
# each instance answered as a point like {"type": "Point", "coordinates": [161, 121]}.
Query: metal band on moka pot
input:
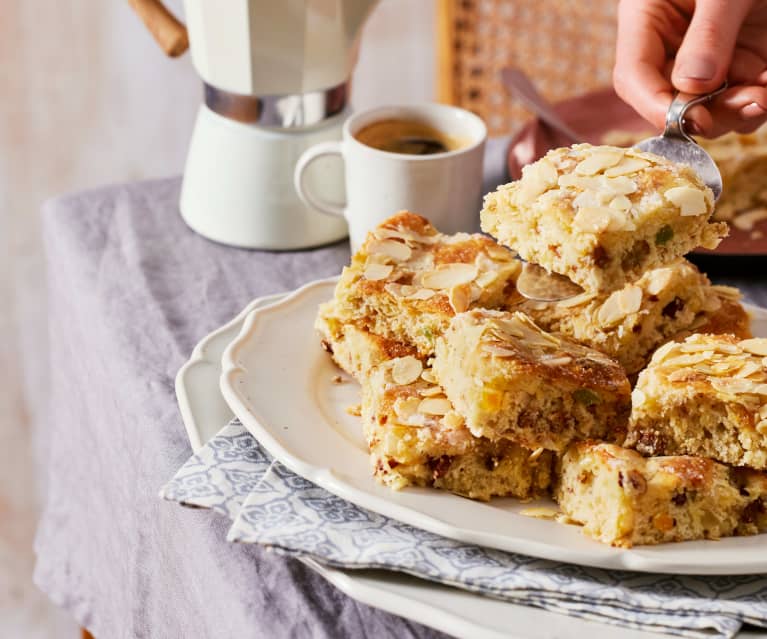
{"type": "Point", "coordinates": [280, 111]}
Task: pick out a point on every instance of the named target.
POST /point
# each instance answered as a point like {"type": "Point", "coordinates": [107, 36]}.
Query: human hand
{"type": "Point", "coordinates": [693, 46]}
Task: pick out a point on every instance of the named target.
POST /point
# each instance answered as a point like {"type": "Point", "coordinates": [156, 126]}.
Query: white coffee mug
{"type": "Point", "coordinates": [446, 188]}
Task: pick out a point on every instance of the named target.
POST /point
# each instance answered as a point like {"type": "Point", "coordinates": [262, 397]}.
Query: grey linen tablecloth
{"type": "Point", "coordinates": [132, 290]}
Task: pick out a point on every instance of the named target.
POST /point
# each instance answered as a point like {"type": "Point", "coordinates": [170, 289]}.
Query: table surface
{"type": "Point", "coordinates": [131, 291]}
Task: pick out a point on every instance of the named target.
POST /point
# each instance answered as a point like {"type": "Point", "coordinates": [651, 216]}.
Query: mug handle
{"type": "Point", "coordinates": [322, 149]}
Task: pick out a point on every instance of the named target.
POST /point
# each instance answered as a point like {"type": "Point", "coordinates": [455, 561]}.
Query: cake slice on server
{"type": "Point", "coordinates": [602, 215]}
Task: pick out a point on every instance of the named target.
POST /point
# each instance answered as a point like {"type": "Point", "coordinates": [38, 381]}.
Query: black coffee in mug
{"type": "Point", "coordinates": [408, 137]}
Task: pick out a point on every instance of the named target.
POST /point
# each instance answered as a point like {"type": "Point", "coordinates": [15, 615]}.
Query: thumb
{"type": "Point", "coordinates": [705, 55]}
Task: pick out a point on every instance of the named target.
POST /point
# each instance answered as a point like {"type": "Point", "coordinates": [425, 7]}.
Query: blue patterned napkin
{"type": "Point", "coordinates": [273, 506]}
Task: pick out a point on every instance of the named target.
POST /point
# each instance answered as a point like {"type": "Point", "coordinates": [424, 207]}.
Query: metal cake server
{"type": "Point", "coordinates": [675, 144]}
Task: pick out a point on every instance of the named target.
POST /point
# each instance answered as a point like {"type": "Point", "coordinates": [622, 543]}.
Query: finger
{"type": "Point", "coordinates": [707, 49]}
{"type": "Point", "coordinates": [639, 62]}
{"type": "Point", "coordinates": [746, 68]}
{"type": "Point", "coordinates": [740, 109]}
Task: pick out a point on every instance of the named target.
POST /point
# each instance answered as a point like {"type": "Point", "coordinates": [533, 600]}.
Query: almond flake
{"type": "Point", "coordinates": [627, 165]}
{"type": "Point", "coordinates": [422, 294]}
{"type": "Point", "coordinates": [658, 280]}
{"type": "Point", "coordinates": [586, 199]}
{"type": "Point", "coordinates": [598, 161]}
{"type": "Point", "coordinates": [712, 303]}
{"type": "Point", "coordinates": [620, 185]}
{"type": "Point", "coordinates": [452, 419]}
{"type": "Point", "coordinates": [428, 376]}
{"type": "Point", "coordinates": [746, 221]}
{"type": "Point", "coordinates": [576, 300]}
{"type": "Point", "coordinates": [592, 219]}
{"type": "Point", "coordinates": [540, 512]}
{"type": "Point", "coordinates": [763, 412]}
{"type": "Point", "coordinates": [557, 361]}
{"type": "Point", "coordinates": [459, 298]}
{"type": "Point", "coordinates": [731, 386]}
{"type": "Point", "coordinates": [727, 292]}
{"type": "Point", "coordinates": [536, 179]}
{"type": "Point", "coordinates": [755, 346]}
{"type": "Point", "coordinates": [689, 200]}
{"type": "Point", "coordinates": [621, 203]}
{"type": "Point", "coordinates": [500, 351]}
{"type": "Point", "coordinates": [664, 352]}
{"type": "Point", "coordinates": [761, 427]}
{"type": "Point", "coordinates": [406, 407]}
{"type": "Point", "coordinates": [406, 370]}
{"type": "Point", "coordinates": [375, 272]}
{"type": "Point", "coordinates": [390, 248]}
{"type": "Point", "coordinates": [759, 389]}
{"type": "Point", "coordinates": [434, 406]}
{"type": "Point", "coordinates": [748, 369]}
{"type": "Point", "coordinates": [679, 375]}
{"type": "Point", "coordinates": [535, 454]}
{"type": "Point", "coordinates": [620, 304]}
{"type": "Point", "coordinates": [486, 278]}
{"type": "Point", "coordinates": [446, 276]}
{"type": "Point", "coordinates": [431, 391]}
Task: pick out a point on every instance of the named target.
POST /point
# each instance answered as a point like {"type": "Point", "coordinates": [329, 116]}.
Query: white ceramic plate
{"type": "Point", "coordinates": [451, 610]}
{"type": "Point", "coordinates": [279, 382]}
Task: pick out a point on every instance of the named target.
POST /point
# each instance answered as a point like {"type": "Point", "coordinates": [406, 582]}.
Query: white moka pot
{"type": "Point", "coordinates": [275, 76]}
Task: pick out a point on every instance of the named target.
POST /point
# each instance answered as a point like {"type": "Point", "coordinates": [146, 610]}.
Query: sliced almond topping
{"type": "Point", "coordinates": [664, 352]}
{"type": "Point", "coordinates": [459, 298]}
{"type": "Point", "coordinates": [620, 304]}
{"type": "Point", "coordinates": [428, 376]}
{"type": "Point", "coordinates": [761, 427]}
{"type": "Point", "coordinates": [540, 512]}
{"type": "Point", "coordinates": [627, 165]}
{"type": "Point", "coordinates": [557, 361]}
{"type": "Point", "coordinates": [679, 375]}
{"type": "Point", "coordinates": [422, 294]}
{"type": "Point", "coordinates": [731, 386]}
{"type": "Point", "coordinates": [434, 406]}
{"type": "Point", "coordinates": [586, 199]}
{"type": "Point", "coordinates": [592, 219]}
{"type": "Point", "coordinates": [711, 303]}
{"type": "Point", "coordinates": [763, 412]}
{"type": "Point", "coordinates": [749, 368]}
{"type": "Point", "coordinates": [431, 391]}
{"type": "Point", "coordinates": [406, 407]}
{"type": "Point", "coordinates": [446, 276]}
{"type": "Point", "coordinates": [453, 419]}
{"type": "Point", "coordinates": [746, 221]}
{"type": "Point", "coordinates": [500, 351]}
{"type": "Point", "coordinates": [759, 389]}
{"type": "Point", "coordinates": [486, 279]}
{"type": "Point", "coordinates": [689, 200]}
{"type": "Point", "coordinates": [406, 370]}
{"type": "Point", "coordinates": [630, 299]}
{"type": "Point", "coordinates": [535, 454]}
{"type": "Point", "coordinates": [375, 272]}
{"type": "Point", "coordinates": [727, 292]}
{"type": "Point", "coordinates": [390, 248]}
{"type": "Point", "coordinates": [620, 185]}
{"type": "Point", "coordinates": [536, 179]}
{"type": "Point", "coordinates": [755, 346]}
{"type": "Point", "coordinates": [621, 203]}
{"type": "Point", "coordinates": [598, 161]}
{"type": "Point", "coordinates": [658, 280]}
{"type": "Point", "coordinates": [577, 300]}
